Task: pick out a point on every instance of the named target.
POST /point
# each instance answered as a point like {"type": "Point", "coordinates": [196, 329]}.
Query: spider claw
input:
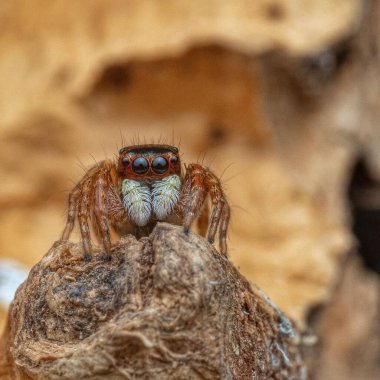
{"type": "Point", "coordinates": [186, 229]}
{"type": "Point", "coordinates": [210, 240]}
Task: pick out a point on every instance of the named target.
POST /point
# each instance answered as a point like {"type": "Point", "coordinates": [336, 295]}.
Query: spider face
{"type": "Point", "coordinates": [151, 181]}
{"type": "Point", "coordinates": [149, 162]}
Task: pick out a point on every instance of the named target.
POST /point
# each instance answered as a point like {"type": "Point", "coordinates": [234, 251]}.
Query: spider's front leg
{"type": "Point", "coordinates": [198, 183]}
{"type": "Point", "coordinates": [95, 195]}
{"type": "Point", "coordinates": [101, 182]}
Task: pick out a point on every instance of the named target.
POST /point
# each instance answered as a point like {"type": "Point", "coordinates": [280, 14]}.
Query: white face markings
{"type": "Point", "coordinates": [165, 195]}
{"type": "Point", "coordinates": [141, 201]}
{"type": "Point", "coordinates": [137, 201]}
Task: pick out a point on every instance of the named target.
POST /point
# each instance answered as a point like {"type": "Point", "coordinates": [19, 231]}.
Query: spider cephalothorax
{"type": "Point", "coordinates": [146, 185]}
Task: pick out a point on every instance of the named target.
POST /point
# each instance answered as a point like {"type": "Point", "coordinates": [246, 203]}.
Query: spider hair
{"type": "Point", "coordinates": [137, 201]}
{"type": "Point", "coordinates": [141, 201]}
{"type": "Point", "coordinates": [165, 196]}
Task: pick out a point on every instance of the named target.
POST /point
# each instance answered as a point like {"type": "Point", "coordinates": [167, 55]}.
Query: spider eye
{"type": "Point", "coordinates": [160, 165]}
{"type": "Point", "coordinates": [125, 161]}
{"type": "Point", "coordinates": [174, 160]}
{"type": "Point", "coordinates": [140, 165]}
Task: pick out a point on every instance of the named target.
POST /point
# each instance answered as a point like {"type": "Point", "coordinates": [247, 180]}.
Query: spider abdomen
{"type": "Point", "coordinates": [143, 201]}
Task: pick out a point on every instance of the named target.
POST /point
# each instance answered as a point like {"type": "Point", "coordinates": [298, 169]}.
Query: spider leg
{"type": "Point", "coordinates": [83, 215]}
{"type": "Point", "coordinates": [115, 207]}
{"type": "Point", "coordinates": [199, 182]}
{"type": "Point", "coordinates": [193, 194]}
{"type": "Point", "coordinates": [203, 219]}
{"type": "Point", "coordinates": [217, 207]}
{"type": "Point", "coordinates": [218, 201]}
{"type": "Point", "coordinates": [220, 212]}
{"type": "Point", "coordinates": [95, 198]}
{"type": "Point", "coordinates": [71, 213]}
{"type": "Point", "coordinates": [100, 184]}
{"type": "Point", "coordinates": [225, 219]}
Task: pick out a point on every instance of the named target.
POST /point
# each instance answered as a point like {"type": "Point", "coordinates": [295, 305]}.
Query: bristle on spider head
{"type": "Point", "coordinates": [159, 145]}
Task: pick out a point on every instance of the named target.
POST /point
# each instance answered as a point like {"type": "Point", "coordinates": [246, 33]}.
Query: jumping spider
{"type": "Point", "coordinates": [146, 185]}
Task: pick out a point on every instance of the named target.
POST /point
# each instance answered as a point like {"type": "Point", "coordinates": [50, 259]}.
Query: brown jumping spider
{"type": "Point", "coordinates": [146, 185]}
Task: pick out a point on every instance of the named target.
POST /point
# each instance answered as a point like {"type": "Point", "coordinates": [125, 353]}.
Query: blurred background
{"type": "Point", "coordinates": [280, 98]}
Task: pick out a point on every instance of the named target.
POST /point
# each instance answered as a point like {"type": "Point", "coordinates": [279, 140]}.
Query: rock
{"type": "Point", "coordinates": [166, 307]}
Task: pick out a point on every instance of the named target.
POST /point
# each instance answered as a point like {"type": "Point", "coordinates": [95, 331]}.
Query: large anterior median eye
{"type": "Point", "coordinates": [160, 165]}
{"type": "Point", "coordinates": [140, 165]}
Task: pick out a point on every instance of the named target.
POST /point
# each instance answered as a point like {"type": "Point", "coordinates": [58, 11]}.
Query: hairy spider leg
{"type": "Point", "coordinates": [98, 189]}
{"type": "Point", "coordinates": [115, 207]}
{"type": "Point", "coordinates": [101, 182]}
{"type": "Point", "coordinates": [225, 220]}
{"type": "Point", "coordinates": [193, 194]}
{"type": "Point", "coordinates": [71, 212]}
{"type": "Point", "coordinates": [203, 219]}
{"type": "Point", "coordinates": [73, 203]}
{"type": "Point", "coordinates": [199, 182]}
{"type": "Point", "coordinates": [220, 212]}
{"type": "Point", "coordinates": [84, 213]}
{"type": "Point", "coordinates": [218, 201]}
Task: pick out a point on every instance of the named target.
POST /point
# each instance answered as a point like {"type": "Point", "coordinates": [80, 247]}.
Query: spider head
{"type": "Point", "coordinates": [148, 162]}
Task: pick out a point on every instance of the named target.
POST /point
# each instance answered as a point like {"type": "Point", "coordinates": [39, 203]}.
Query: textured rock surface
{"type": "Point", "coordinates": [165, 307]}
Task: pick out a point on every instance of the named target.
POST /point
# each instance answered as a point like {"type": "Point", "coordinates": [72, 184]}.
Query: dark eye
{"type": "Point", "coordinates": [140, 165]}
{"type": "Point", "coordinates": [174, 160]}
{"type": "Point", "coordinates": [125, 161]}
{"type": "Point", "coordinates": [160, 165]}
